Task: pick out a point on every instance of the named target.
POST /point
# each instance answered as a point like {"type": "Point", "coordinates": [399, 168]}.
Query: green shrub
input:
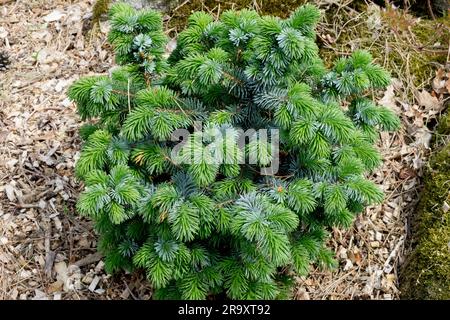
{"type": "Point", "coordinates": [212, 227]}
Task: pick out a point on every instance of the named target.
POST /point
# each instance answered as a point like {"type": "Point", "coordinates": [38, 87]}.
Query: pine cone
{"type": "Point", "coordinates": [4, 61]}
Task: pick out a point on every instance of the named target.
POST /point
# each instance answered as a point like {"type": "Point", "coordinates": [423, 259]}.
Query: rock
{"type": "Point", "coordinates": [161, 5]}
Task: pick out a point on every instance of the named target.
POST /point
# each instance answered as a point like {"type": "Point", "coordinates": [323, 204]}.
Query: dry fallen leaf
{"type": "Point", "coordinates": [441, 83]}
{"type": "Point", "coordinates": [428, 101]}
{"type": "Point", "coordinates": [355, 256]}
{"type": "Point", "coordinates": [55, 286]}
{"type": "Point", "coordinates": [388, 99]}
{"type": "Point", "coordinates": [423, 137]}
{"type": "Point", "coordinates": [407, 173]}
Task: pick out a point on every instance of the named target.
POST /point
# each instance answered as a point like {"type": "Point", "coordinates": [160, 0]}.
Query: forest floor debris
{"type": "Point", "coordinates": [47, 251]}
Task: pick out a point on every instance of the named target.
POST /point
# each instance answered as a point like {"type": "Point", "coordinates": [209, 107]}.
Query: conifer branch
{"type": "Point", "coordinates": [206, 223]}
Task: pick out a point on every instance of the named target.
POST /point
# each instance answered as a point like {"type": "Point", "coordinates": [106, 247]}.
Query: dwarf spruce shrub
{"type": "Point", "coordinates": [173, 192]}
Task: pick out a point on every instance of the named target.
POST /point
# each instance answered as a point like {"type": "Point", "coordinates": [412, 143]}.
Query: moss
{"type": "Point", "coordinates": [100, 8]}
{"type": "Point", "coordinates": [442, 132]}
{"type": "Point", "coordinates": [444, 126]}
{"type": "Point", "coordinates": [426, 273]}
{"type": "Point", "coordinates": [428, 34]}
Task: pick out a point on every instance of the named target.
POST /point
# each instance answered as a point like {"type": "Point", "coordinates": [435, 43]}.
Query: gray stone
{"type": "Point", "coordinates": [161, 5]}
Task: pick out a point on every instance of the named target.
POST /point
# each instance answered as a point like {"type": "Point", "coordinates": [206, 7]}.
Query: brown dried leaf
{"type": "Point", "coordinates": [428, 101]}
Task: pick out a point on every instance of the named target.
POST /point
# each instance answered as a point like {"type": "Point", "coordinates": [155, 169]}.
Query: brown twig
{"type": "Point", "coordinates": [129, 290]}
{"type": "Point", "coordinates": [180, 6]}
{"type": "Point", "coordinates": [430, 9]}
{"type": "Point", "coordinates": [94, 257]}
